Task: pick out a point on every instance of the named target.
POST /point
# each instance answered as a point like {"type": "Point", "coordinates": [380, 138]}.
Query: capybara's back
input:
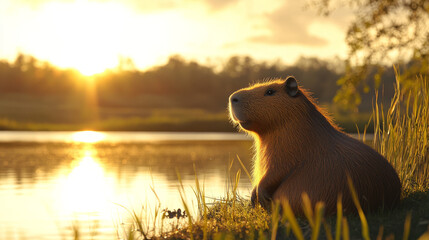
{"type": "Point", "coordinates": [299, 150]}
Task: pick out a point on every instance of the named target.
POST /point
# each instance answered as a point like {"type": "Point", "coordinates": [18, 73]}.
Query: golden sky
{"type": "Point", "coordinates": [91, 35]}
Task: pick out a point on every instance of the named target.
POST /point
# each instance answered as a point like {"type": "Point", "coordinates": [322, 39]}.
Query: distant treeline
{"type": "Point", "coordinates": [180, 94]}
{"type": "Point", "coordinates": [177, 84]}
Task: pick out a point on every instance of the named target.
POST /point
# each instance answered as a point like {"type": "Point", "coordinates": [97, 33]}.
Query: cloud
{"type": "Point", "coordinates": [289, 25]}
{"type": "Point", "coordinates": [139, 5]}
{"type": "Point", "coordinates": [219, 4]}
{"type": "Point", "coordinates": [146, 6]}
{"type": "Point", "coordinates": [151, 6]}
{"type": "Point", "coordinates": [38, 3]}
{"type": "Point", "coordinates": [163, 5]}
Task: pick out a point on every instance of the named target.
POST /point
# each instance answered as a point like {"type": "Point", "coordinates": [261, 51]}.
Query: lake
{"type": "Point", "coordinates": [52, 183]}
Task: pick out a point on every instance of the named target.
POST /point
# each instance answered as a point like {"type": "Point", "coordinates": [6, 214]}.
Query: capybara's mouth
{"type": "Point", "coordinates": [237, 116]}
{"type": "Point", "coordinates": [242, 123]}
{"type": "Point", "coordinates": [245, 124]}
{"type": "Point", "coordinates": [232, 116]}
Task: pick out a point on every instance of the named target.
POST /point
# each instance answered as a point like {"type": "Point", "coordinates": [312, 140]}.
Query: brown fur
{"type": "Point", "coordinates": [299, 149]}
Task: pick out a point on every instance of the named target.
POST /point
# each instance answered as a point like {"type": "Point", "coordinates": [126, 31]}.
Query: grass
{"type": "Point", "coordinates": [401, 135]}
{"type": "Point", "coordinates": [234, 218]}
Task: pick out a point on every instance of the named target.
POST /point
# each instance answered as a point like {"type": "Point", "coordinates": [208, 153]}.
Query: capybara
{"type": "Point", "coordinates": [299, 149]}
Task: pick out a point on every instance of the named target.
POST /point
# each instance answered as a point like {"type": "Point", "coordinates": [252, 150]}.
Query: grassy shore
{"type": "Point", "coordinates": [401, 135]}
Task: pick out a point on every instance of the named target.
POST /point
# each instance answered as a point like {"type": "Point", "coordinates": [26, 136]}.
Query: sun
{"type": "Point", "coordinates": [91, 66]}
{"type": "Point", "coordinates": [93, 36]}
{"type": "Point", "coordinates": [89, 35]}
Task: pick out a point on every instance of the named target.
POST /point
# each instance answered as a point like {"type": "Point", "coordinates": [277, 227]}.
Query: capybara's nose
{"type": "Point", "coordinates": [234, 98]}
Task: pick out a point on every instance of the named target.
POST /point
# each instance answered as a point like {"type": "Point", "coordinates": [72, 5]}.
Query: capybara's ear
{"type": "Point", "coordinates": [291, 87]}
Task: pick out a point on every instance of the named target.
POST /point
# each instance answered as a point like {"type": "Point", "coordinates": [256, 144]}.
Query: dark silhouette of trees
{"type": "Point", "coordinates": [28, 75]}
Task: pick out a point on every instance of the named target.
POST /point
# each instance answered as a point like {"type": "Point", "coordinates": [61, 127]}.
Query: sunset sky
{"type": "Point", "coordinates": [91, 35]}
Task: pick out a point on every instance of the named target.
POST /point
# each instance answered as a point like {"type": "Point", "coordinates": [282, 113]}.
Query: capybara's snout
{"type": "Point", "coordinates": [234, 102]}
{"type": "Point", "coordinates": [235, 98]}
{"type": "Point", "coordinates": [237, 109]}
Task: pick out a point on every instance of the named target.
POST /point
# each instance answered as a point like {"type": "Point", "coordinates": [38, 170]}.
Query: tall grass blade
{"type": "Point", "coordinates": [365, 228]}
{"type": "Point", "coordinates": [234, 190]}
{"type": "Point", "coordinates": [157, 208]}
{"type": "Point", "coordinates": [76, 231]}
{"type": "Point", "coordinates": [244, 168]}
{"type": "Point", "coordinates": [407, 225]}
{"type": "Point", "coordinates": [320, 207]}
{"type": "Point", "coordinates": [339, 217]}
{"type": "Point", "coordinates": [136, 220]}
{"type": "Point", "coordinates": [327, 230]}
{"type": "Point", "coordinates": [130, 233]}
{"type": "Point", "coordinates": [202, 207]}
{"type": "Point", "coordinates": [345, 229]}
{"type": "Point", "coordinates": [275, 218]}
{"type": "Point", "coordinates": [308, 210]}
{"type": "Point", "coordinates": [185, 205]}
{"type": "Point", "coordinates": [380, 233]}
{"type": "Point", "coordinates": [290, 216]}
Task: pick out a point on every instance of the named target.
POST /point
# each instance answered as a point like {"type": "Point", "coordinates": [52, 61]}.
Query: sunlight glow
{"type": "Point", "coordinates": [92, 36]}
{"type": "Point", "coordinates": [88, 35]}
{"type": "Point", "coordinates": [88, 136]}
{"type": "Point", "coordinates": [86, 189]}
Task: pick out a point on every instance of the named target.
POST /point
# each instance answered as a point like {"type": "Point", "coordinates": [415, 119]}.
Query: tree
{"type": "Point", "coordinates": [384, 32]}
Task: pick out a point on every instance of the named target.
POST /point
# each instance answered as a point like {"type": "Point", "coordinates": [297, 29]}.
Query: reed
{"type": "Point", "coordinates": [401, 134]}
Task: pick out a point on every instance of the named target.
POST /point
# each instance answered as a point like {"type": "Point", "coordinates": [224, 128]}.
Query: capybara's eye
{"type": "Point", "coordinates": [270, 92]}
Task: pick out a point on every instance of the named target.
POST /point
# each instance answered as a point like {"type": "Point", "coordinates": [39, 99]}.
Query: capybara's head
{"type": "Point", "coordinates": [266, 106]}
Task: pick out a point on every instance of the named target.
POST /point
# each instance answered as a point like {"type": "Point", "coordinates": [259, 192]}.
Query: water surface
{"type": "Point", "coordinates": [54, 182]}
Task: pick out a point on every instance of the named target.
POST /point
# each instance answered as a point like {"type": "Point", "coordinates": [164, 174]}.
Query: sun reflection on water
{"type": "Point", "coordinates": [88, 136]}
{"type": "Point", "coordinates": [86, 189]}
